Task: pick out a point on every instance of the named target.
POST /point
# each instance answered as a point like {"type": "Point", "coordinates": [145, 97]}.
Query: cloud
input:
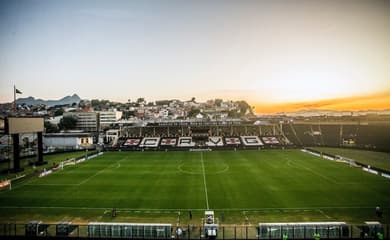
{"type": "Point", "coordinates": [376, 101]}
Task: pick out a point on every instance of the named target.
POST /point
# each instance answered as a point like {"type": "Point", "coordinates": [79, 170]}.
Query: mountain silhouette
{"type": "Point", "coordinates": [63, 101]}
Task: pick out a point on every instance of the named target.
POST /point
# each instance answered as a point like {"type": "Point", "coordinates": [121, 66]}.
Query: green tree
{"type": "Point", "coordinates": [95, 102]}
{"type": "Point", "coordinates": [244, 106]}
{"type": "Point", "coordinates": [59, 112]}
{"type": "Point", "coordinates": [50, 128]}
{"type": "Point", "coordinates": [163, 102]}
{"type": "Point", "coordinates": [128, 114]}
{"type": "Point", "coordinates": [140, 100]}
{"type": "Point", "coordinates": [67, 123]}
{"type": "Point", "coordinates": [233, 114]}
{"type": "Point", "coordinates": [193, 112]}
{"type": "Point", "coordinates": [218, 102]}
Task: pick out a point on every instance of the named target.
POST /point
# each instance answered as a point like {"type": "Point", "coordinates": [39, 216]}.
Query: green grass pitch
{"type": "Point", "coordinates": [378, 159]}
{"type": "Point", "coordinates": [262, 186]}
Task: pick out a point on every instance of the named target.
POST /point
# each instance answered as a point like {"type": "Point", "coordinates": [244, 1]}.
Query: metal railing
{"type": "Point", "coordinates": [61, 230]}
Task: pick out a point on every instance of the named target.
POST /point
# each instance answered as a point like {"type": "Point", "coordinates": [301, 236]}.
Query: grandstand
{"type": "Point", "coordinates": [199, 134]}
{"type": "Point", "coordinates": [363, 135]}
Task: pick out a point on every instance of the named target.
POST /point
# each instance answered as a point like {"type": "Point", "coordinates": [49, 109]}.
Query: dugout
{"type": "Point", "coordinates": [370, 229]}
{"type": "Point", "coordinates": [36, 228]}
{"type": "Point", "coordinates": [303, 230]}
{"type": "Point", "coordinates": [130, 230]}
{"type": "Point", "coordinates": [64, 229]}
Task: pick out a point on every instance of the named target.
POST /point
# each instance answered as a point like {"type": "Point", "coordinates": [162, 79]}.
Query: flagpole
{"type": "Point", "coordinates": [14, 98]}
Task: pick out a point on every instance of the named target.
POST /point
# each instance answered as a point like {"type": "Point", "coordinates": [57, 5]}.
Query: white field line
{"type": "Point", "coordinates": [97, 173]}
{"type": "Point", "coordinates": [51, 184]}
{"type": "Point", "coordinates": [317, 209]}
{"type": "Point", "coordinates": [316, 173]}
{"type": "Point", "coordinates": [117, 164]}
{"type": "Point", "coordinates": [322, 212]}
{"type": "Point", "coordinates": [204, 180]}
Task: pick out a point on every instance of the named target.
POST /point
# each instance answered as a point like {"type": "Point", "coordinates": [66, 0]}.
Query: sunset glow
{"type": "Point", "coordinates": [379, 101]}
{"type": "Point", "coordinates": [277, 55]}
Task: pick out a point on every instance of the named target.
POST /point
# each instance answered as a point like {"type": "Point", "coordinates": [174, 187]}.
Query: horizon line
{"type": "Point", "coordinates": [379, 101]}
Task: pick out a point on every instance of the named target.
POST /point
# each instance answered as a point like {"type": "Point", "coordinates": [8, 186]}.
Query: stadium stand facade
{"type": "Point", "coordinates": [349, 134]}
{"type": "Point", "coordinates": [225, 134]}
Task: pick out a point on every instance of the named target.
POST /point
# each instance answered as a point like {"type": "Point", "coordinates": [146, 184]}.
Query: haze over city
{"type": "Point", "coordinates": [277, 55]}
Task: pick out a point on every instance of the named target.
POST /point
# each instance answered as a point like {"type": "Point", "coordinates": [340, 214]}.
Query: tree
{"type": "Point", "coordinates": [140, 100]}
{"type": "Point", "coordinates": [218, 102]}
{"type": "Point", "coordinates": [50, 128]}
{"type": "Point", "coordinates": [95, 102]}
{"type": "Point", "coordinates": [193, 112]}
{"type": "Point", "coordinates": [128, 114]}
{"type": "Point", "coordinates": [59, 112]}
{"type": "Point", "coordinates": [163, 102]}
{"type": "Point", "coordinates": [67, 123]}
{"type": "Point", "coordinates": [233, 114]}
{"type": "Point", "coordinates": [243, 106]}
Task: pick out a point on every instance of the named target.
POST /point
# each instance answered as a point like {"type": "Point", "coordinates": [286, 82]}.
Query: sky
{"type": "Point", "coordinates": [277, 55]}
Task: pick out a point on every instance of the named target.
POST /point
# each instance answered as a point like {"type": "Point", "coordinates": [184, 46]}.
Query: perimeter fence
{"type": "Point", "coordinates": [264, 231]}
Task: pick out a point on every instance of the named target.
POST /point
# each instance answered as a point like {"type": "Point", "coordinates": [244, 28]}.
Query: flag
{"type": "Point", "coordinates": [18, 91]}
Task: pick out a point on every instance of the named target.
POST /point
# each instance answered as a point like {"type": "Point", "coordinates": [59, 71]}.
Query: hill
{"type": "Point", "coordinates": [63, 101]}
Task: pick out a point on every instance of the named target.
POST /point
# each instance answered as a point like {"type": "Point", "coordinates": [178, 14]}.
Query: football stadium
{"type": "Point", "coordinates": [172, 119]}
{"type": "Point", "coordinates": [208, 180]}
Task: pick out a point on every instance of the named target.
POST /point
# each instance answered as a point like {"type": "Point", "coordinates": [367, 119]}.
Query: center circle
{"type": "Point", "coordinates": [192, 169]}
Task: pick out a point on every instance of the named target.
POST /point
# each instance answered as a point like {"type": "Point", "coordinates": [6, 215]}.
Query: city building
{"type": "Point", "coordinates": [67, 141]}
{"type": "Point", "coordinates": [86, 121]}
{"type": "Point", "coordinates": [106, 118]}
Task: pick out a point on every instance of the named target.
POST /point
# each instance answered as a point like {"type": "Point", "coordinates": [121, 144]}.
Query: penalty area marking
{"type": "Point", "coordinates": [322, 212]}
{"type": "Point", "coordinates": [99, 172]}
{"type": "Point", "coordinates": [31, 183]}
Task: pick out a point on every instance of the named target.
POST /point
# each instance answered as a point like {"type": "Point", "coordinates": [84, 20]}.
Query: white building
{"type": "Point", "coordinates": [112, 135]}
{"type": "Point", "coordinates": [107, 118]}
{"type": "Point", "coordinates": [163, 113]}
{"type": "Point", "coordinates": [67, 140]}
{"type": "Point", "coordinates": [86, 121]}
